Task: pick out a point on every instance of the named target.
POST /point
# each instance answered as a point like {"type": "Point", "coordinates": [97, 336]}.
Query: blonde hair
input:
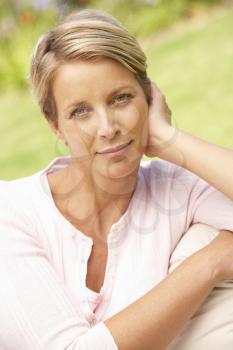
{"type": "Point", "coordinates": [83, 35]}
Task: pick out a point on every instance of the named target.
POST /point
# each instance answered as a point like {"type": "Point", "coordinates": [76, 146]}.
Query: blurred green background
{"type": "Point", "coordinates": [189, 45]}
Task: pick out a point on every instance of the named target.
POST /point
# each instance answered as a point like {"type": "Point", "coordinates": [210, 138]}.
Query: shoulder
{"type": "Point", "coordinates": [29, 187]}
{"type": "Point", "coordinates": [17, 197]}
{"type": "Point", "coordinates": [162, 170]}
{"type": "Point", "coordinates": [18, 208]}
{"type": "Point", "coordinates": [20, 188]}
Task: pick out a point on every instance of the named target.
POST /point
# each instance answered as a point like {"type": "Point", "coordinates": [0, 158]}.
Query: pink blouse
{"type": "Point", "coordinates": [44, 301]}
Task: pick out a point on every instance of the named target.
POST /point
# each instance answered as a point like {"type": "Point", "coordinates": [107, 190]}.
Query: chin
{"type": "Point", "coordinates": [122, 168]}
{"type": "Point", "coordinates": [120, 171]}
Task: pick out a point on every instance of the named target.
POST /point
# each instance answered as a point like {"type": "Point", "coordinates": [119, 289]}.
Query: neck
{"type": "Point", "coordinates": [93, 204]}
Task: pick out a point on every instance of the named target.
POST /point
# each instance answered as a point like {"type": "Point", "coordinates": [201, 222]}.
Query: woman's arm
{"type": "Point", "coordinates": [155, 319]}
{"type": "Point", "coordinates": [39, 311]}
{"type": "Point", "coordinates": [212, 163]}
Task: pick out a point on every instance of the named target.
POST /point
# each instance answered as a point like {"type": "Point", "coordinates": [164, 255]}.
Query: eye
{"type": "Point", "coordinates": [80, 112]}
{"type": "Point", "coordinates": [119, 99]}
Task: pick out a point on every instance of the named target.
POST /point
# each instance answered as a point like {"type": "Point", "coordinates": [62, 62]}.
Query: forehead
{"type": "Point", "coordinates": [89, 74]}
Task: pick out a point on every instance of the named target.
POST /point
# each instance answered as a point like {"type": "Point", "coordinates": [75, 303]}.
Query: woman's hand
{"type": "Point", "coordinates": [159, 123]}
{"type": "Point", "coordinates": [174, 145]}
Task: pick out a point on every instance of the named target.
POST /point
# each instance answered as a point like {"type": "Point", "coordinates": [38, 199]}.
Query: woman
{"type": "Point", "coordinates": [85, 242]}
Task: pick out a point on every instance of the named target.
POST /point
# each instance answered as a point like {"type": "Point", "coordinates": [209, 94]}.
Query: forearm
{"type": "Point", "coordinates": [155, 319]}
{"type": "Point", "coordinates": [211, 162]}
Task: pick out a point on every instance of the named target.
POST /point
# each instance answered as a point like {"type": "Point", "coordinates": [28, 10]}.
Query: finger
{"type": "Point", "coordinates": [156, 90]}
{"type": "Point", "coordinates": [158, 102]}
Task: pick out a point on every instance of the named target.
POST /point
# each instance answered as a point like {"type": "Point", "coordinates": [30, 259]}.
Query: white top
{"type": "Point", "coordinates": [93, 299]}
{"type": "Point", "coordinates": [43, 257]}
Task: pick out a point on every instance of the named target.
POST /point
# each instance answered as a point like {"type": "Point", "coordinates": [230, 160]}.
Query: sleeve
{"type": "Point", "coordinates": [210, 206]}
{"type": "Point", "coordinates": [36, 310]}
{"type": "Point", "coordinates": [197, 237]}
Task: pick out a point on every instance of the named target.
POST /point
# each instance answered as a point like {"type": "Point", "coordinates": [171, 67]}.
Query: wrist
{"type": "Point", "coordinates": [165, 144]}
{"type": "Point", "coordinates": [164, 137]}
{"type": "Point", "coordinates": [213, 272]}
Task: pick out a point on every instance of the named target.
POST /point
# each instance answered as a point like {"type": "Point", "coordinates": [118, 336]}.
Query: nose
{"type": "Point", "coordinates": [108, 127]}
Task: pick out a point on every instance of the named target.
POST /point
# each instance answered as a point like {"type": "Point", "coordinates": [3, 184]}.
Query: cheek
{"type": "Point", "coordinates": [132, 118]}
{"type": "Point", "coordinates": [141, 126]}
{"type": "Point", "coordinates": [80, 139]}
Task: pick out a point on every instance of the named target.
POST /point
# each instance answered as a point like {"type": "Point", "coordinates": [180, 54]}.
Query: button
{"type": "Point", "coordinates": [94, 321]}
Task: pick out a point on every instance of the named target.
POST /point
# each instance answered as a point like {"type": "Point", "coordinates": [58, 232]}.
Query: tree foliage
{"type": "Point", "coordinates": [22, 21]}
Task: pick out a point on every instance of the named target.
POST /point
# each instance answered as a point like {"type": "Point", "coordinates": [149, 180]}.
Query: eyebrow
{"type": "Point", "coordinates": [115, 91]}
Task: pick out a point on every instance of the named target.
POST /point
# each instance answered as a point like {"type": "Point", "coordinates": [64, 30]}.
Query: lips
{"type": "Point", "coordinates": [115, 149]}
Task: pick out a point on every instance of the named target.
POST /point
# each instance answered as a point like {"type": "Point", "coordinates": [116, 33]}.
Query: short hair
{"type": "Point", "coordinates": [85, 35]}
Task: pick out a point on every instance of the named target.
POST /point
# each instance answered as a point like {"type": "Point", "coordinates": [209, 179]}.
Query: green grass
{"type": "Point", "coordinates": [194, 68]}
{"type": "Point", "coordinates": [27, 144]}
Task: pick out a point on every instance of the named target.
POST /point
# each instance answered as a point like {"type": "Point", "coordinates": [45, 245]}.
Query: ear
{"type": "Point", "coordinates": [56, 130]}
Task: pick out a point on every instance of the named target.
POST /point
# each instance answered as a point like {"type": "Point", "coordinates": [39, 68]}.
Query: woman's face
{"type": "Point", "coordinates": [101, 106]}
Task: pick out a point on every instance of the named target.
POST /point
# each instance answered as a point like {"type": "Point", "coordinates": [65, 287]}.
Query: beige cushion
{"type": "Point", "coordinates": [211, 328]}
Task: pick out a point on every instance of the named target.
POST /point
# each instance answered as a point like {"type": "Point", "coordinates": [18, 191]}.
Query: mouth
{"type": "Point", "coordinates": [116, 151]}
